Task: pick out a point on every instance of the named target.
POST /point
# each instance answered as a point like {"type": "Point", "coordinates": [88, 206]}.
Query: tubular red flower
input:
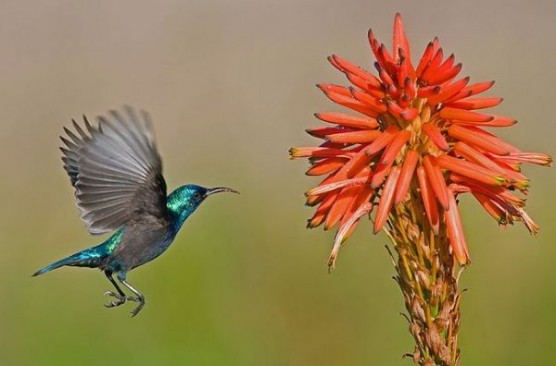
{"type": "Point", "coordinates": [347, 120]}
{"type": "Point", "coordinates": [463, 115]}
{"type": "Point", "coordinates": [344, 230]}
{"type": "Point", "coordinates": [524, 157]}
{"type": "Point", "coordinates": [491, 208]}
{"type": "Point", "coordinates": [326, 166]}
{"type": "Point", "coordinates": [394, 148]}
{"type": "Point", "coordinates": [437, 181]}
{"type": "Point", "coordinates": [429, 201]}
{"type": "Point", "coordinates": [476, 103]}
{"type": "Point", "coordinates": [387, 199]}
{"type": "Point", "coordinates": [471, 170]}
{"type": "Point", "coordinates": [339, 207]}
{"type": "Point", "coordinates": [321, 212]}
{"type": "Point", "coordinates": [362, 197]}
{"type": "Point", "coordinates": [406, 174]}
{"type": "Point", "coordinates": [354, 137]}
{"type": "Point", "coordinates": [436, 136]}
{"type": "Point", "coordinates": [415, 129]}
{"type": "Point", "coordinates": [322, 132]}
{"type": "Point", "coordinates": [444, 92]}
{"type": "Point", "coordinates": [382, 141]}
{"type": "Point", "coordinates": [455, 232]}
{"type": "Point", "coordinates": [325, 188]}
{"type": "Point", "coordinates": [400, 41]}
{"type": "Point", "coordinates": [472, 137]}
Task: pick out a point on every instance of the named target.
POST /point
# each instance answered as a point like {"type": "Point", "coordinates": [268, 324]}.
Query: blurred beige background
{"type": "Point", "coordinates": [229, 85]}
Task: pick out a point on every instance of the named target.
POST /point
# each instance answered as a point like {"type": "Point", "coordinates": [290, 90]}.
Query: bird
{"type": "Point", "coordinates": [116, 171]}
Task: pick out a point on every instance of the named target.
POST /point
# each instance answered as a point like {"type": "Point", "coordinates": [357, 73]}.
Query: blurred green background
{"type": "Point", "coordinates": [230, 87]}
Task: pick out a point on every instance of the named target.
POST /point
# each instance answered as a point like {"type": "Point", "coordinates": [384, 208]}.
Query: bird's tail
{"type": "Point", "coordinates": [91, 257]}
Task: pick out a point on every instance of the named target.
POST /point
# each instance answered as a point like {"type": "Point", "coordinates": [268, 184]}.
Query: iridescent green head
{"type": "Point", "coordinates": [185, 199]}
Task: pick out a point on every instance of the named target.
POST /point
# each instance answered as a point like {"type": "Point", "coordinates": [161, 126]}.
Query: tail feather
{"type": "Point", "coordinates": [91, 258]}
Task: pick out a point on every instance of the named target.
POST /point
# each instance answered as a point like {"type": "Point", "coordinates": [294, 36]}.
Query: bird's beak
{"type": "Point", "coordinates": [219, 189]}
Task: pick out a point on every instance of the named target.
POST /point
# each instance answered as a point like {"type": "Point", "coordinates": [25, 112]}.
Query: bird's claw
{"type": "Point", "coordinates": [141, 303]}
{"type": "Point", "coordinates": [117, 302]}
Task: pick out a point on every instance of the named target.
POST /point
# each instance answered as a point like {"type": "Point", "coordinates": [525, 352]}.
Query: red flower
{"type": "Point", "coordinates": [414, 125]}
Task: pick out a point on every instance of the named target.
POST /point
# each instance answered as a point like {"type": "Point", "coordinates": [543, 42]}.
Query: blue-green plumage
{"type": "Point", "coordinates": [90, 257]}
{"type": "Point", "coordinates": [117, 173]}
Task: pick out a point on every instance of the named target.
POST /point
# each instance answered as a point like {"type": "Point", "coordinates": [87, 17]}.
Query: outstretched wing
{"type": "Point", "coordinates": [116, 171]}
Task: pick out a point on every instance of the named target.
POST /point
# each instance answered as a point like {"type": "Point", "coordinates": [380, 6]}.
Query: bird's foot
{"type": "Point", "coordinates": [118, 301]}
{"type": "Point", "coordinates": [141, 302]}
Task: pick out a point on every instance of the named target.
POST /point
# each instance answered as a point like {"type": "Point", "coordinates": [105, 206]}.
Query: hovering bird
{"type": "Point", "coordinates": [116, 171]}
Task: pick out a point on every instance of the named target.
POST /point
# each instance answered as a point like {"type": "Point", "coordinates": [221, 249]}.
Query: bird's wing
{"type": "Point", "coordinates": [116, 171]}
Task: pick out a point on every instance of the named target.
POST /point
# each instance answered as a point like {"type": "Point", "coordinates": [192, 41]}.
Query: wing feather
{"type": "Point", "coordinates": [116, 170]}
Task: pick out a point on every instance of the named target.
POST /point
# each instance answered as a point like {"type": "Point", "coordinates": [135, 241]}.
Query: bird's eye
{"type": "Point", "coordinates": [197, 196]}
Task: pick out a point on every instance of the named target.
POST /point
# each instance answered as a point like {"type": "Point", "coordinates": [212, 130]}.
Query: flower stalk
{"type": "Point", "coordinates": [428, 278]}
